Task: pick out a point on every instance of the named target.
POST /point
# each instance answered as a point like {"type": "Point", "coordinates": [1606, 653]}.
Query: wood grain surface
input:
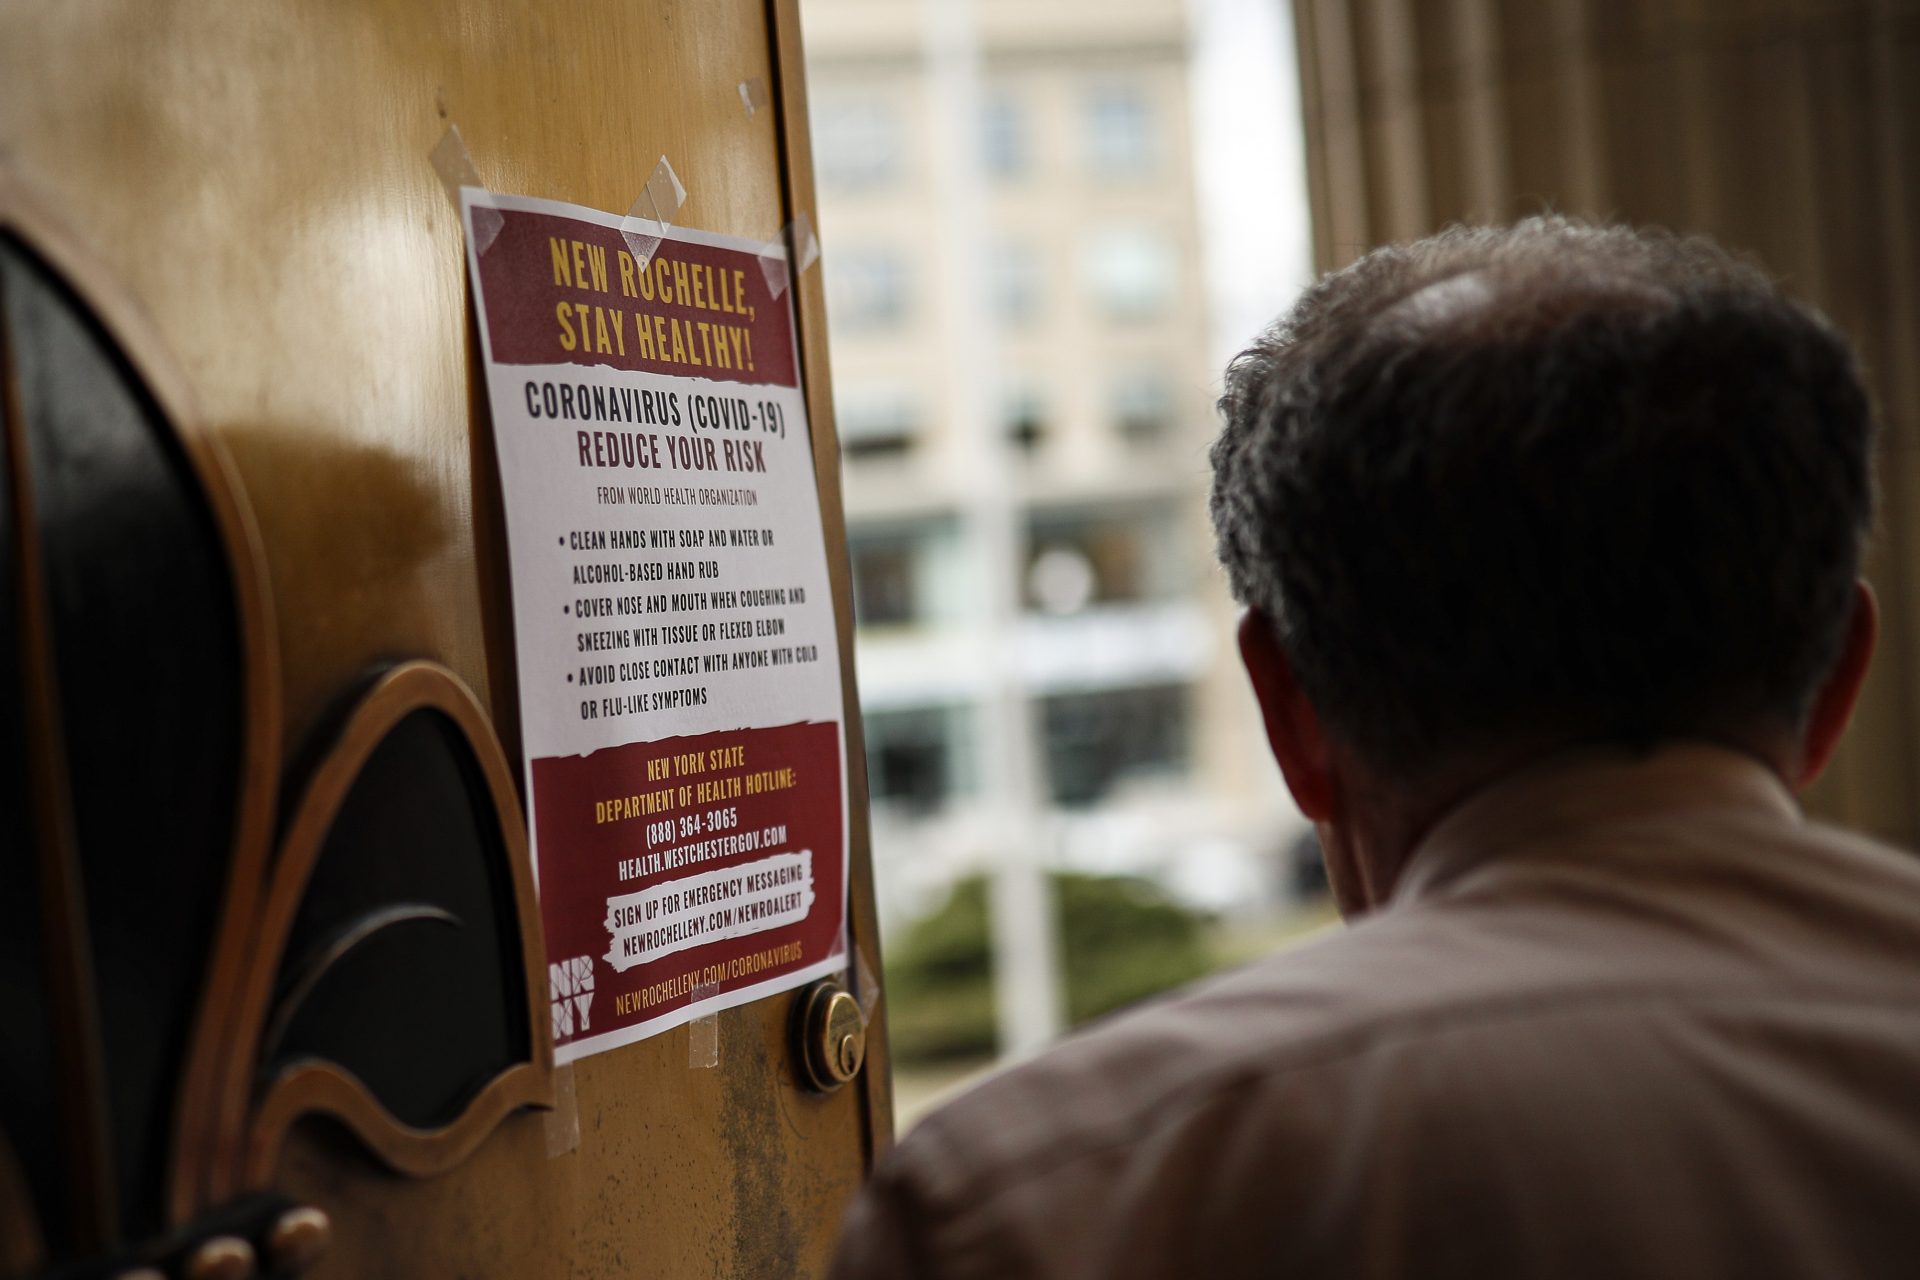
{"type": "Point", "coordinates": [252, 182]}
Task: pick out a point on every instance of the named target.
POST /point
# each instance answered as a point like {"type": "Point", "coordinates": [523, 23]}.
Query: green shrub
{"type": "Point", "coordinates": [1121, 939]}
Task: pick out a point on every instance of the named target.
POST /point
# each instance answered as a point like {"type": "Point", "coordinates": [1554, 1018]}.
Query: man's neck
{"type": "Point", "coordinates": [1381, 824]}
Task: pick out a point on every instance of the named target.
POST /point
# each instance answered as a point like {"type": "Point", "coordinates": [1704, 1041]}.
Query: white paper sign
{"type": "Point", "coordinates": [680, 694]}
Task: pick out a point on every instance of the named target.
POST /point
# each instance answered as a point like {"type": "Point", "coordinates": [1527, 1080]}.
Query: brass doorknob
{"type": "Point", "coordinates": [832, 1035]}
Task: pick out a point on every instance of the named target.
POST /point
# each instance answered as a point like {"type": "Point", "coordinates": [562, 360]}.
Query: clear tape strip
{"type": "Point", "coordinates": [753, 95]}
{"type": "Point", "coordinates": [802, 251]}
{"type": "Point", "coordinates": [643, 237]}
{"type": "Point", "coordinates": [866, 984]}
{"type": "Point", "coordinates": [563, 1122]}
{"type": "Point", "coordinates": [653, 211]}
{"type": "Point", "coordinates": [703, 1032]}
{"type": "Point", "coordinates": [455, 167]}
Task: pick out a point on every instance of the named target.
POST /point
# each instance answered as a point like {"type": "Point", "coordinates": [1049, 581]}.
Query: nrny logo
{"type": "Point", "coordinates": [570, 987]}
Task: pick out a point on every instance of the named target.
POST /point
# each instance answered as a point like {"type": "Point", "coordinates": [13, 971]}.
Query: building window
{"type": "Point", "coordinates": [1120, 128]}
{"type": "Point", "coordinates": [1014, 278]}
{"type": "Point", "coordinates": [866, 289]}
{"type": "Point", "coordinates": [903, 574]}
{"type": "Point", "coordinates": [1130, 272]}
{"type": "Point", "coordinates": [883, 581]}
{"type": "Point", "coordinates": [1141, 404]}
{"type": "Point", "coordinates": [1060, 580]}
{"type": "Point", "coordinates": [876, 421]}
{"type": "Point", "coordinates": [1003, 136]}
{"type": "Point", "coordinates": [1097, 743]}
{"type": "Point", "coordinates": [916, 759]}
{"type": "Point", "coordinates": [856, 140]}
{"type": "Point", "coordinates": [1023, 413]}
{"type": "Point", "coordinates": [1131, 554]}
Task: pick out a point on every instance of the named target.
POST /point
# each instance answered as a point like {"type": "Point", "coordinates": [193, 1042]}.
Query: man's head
{"type": "Point", "coordinates": [1500, 491]}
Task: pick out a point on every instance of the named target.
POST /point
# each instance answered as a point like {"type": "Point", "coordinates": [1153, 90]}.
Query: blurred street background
{"type": "Point", "coordinates": [1045, 230]}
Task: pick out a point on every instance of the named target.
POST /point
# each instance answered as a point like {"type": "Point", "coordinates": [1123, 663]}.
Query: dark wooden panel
{"type": "Point", "coordinates": [27, 1066]}
{"type": "Point", "coordinates": [404, 963]}
{"type": "Point", "coordinates": [140, 614]}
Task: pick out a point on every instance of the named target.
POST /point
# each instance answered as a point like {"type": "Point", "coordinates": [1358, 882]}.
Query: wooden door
{"type": "Point", "coordinates": [257, 703]}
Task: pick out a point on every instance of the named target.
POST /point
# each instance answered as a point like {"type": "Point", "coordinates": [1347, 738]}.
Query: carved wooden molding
{"type": "Point", "coordinates": [126, 325]}
{"type": "Point", "coordinates": [74, 1051]}
{"type": "Point", "coordinates": [226, 1132]}
{"type": "Point", "coordinates": [324, 1088]}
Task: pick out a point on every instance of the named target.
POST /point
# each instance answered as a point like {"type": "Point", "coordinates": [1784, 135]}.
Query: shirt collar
{"type": "Point", "coordinates": [1587, 789]}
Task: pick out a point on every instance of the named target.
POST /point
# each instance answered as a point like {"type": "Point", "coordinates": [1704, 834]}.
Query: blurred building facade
{"type": "Point", "coordinates": [1092, 291]}
{"type": "Point", "coordinates": [1790, 131]}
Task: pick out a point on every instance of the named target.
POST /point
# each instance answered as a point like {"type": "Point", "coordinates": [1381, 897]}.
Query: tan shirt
{"type": "Point", "coordinates": [1621, 1018]}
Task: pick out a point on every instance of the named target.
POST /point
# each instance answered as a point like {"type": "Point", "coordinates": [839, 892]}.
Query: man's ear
{"type": "Point", "coordinates": [1833, 703]}
{"type": "Point", "coordinates": [1293, 728]}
